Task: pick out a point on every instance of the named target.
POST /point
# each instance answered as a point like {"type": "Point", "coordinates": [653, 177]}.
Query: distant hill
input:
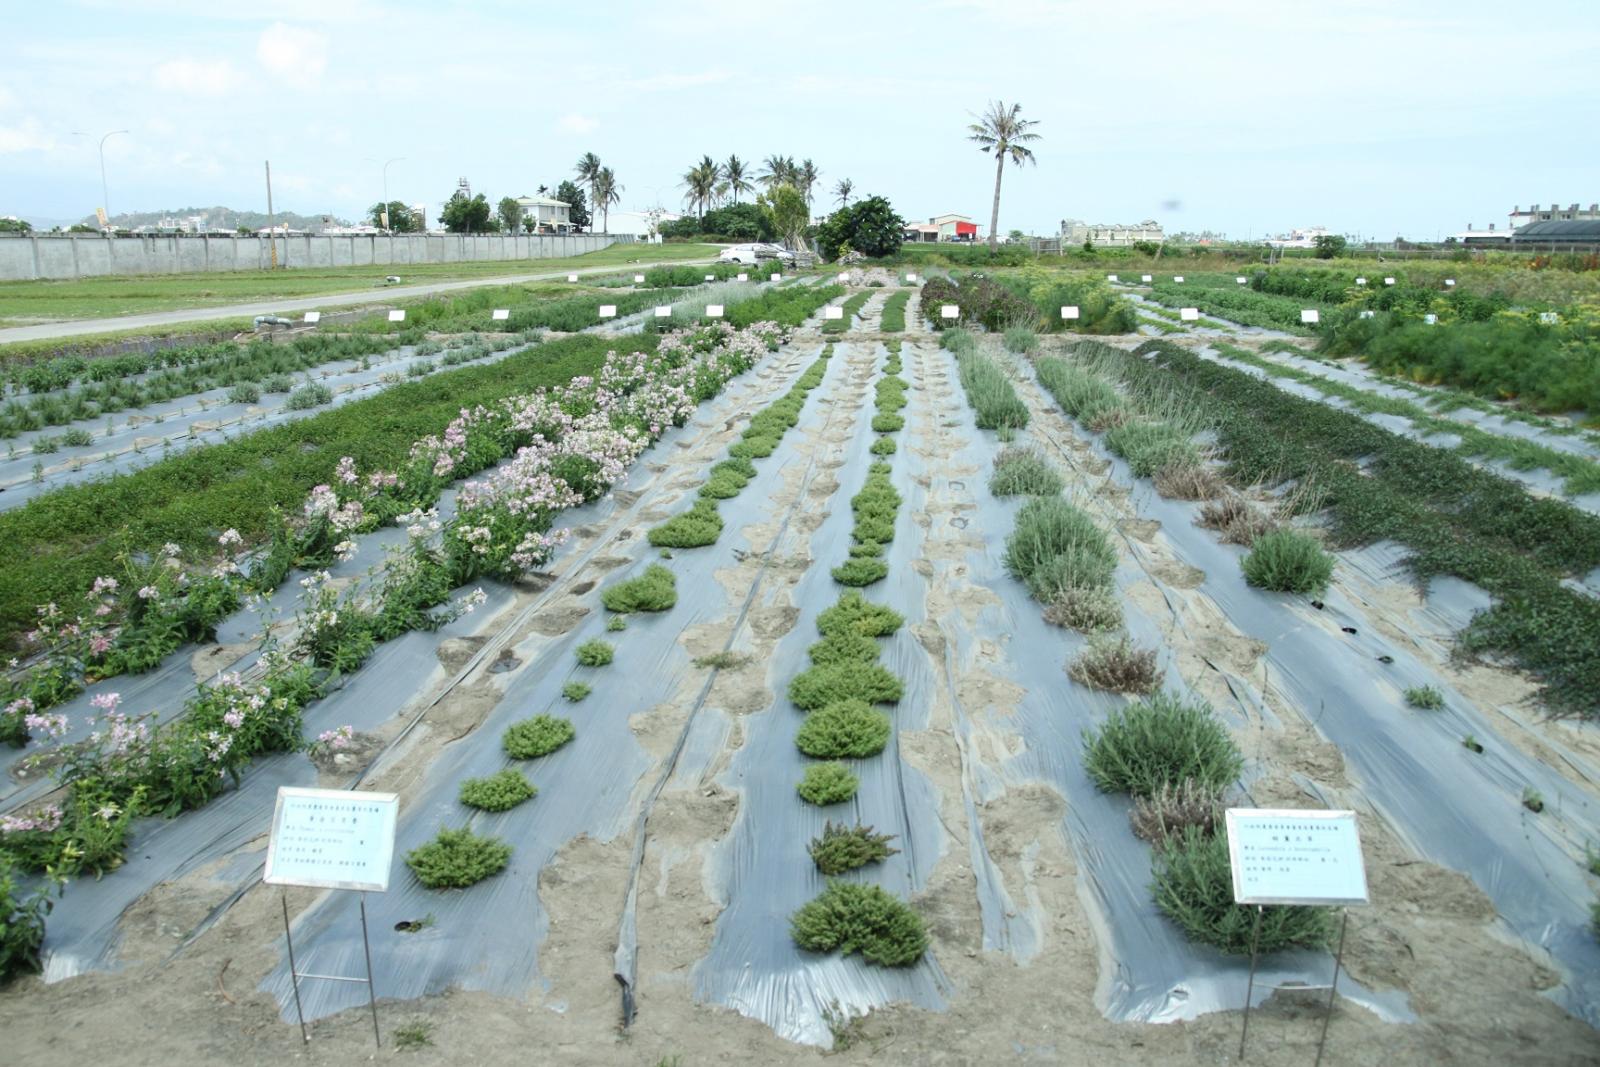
{"type": "Point", "coordinates": [225, 219]}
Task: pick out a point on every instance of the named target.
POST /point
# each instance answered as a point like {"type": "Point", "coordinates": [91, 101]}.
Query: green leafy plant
{"type": "Point", "coordinates": [1161, 741]}
{"type": "Point", "coordinates": [844, 646]}
{"type": "Point", "coordinates": [850, 917]}
{"type": "Point", "coordinates": [820, 686]}
{"type": "Point", "coordinates": [309, 395]}
{"type": "Point", "coordinates": [1021, 340]}
{"type": "Point", "coordinates": [1056, 546]}
{"type": "Point", "coordinates": [1288, 561]}
{"type": "Point", "coordinates": [1023, 472]}
{"type": "Point", "coordinates": [883, 446]}
{"type": "Point", "coordinates": [827, 783]}
{"type": "Point", "coordinates": [617, 623]}
{"type": "Point", "coordinates": [456, 859]}
{"type": "Point", "coordinates": [1194, 888]}
{"type": "Point", "coordinates": [595, 653]}
{"type": "Point", "coordinates": [695, 528]}
{"type": "Point", "coordinates": [413, 1035]}
{"type": "Point", "coordinates": [844, 848]}
{"type": "Point", "coordinates": [538, 736]}
{"type": "Point", "coordinates": [1426, 697]}
{"type": "Point", "coordinates": [844, 729]}
{"type": "Point", "coordinates": [654, 590]}
{"type": "Point", "coordinates": [22, 921]}
{"type": "Point", "coordinates": [500, 791]}
{"type": "Point", "coordinates": [854, 613]}
{"type": "Point", "coordinates": [860, 572]}
{"type": "Point", "coordinates": [576, 691]}
{"type": "Point", "coordinates": [990, 392]}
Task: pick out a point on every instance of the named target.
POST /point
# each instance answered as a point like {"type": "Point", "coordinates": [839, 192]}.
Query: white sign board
{"type": "Point", "coordinates": [664, 312]}
{"type": "Point", "coordinates": [1549, 318]}
{"type": "Point", "coordinates": [1388, 281]}
{"type": "Point", "coordinates": [1368, 314]}
{"type": "Point", "coordinates": [1189, 314]}
{"type": "Point", "coordinates": [1240, 279]}
{"type": "Point", "coordinates": [313, 317]}
{"type": "Point", "coordinates": [711, 277]}
{"type": "Point", "coordinates": [638, 279]}
{"type": "Point", "coordinates": [844, 276]}
{"type": "Point", "coordinates": [1431, 320]}
{"type": "Point", "coordinates": [1177, 277]}
{"type": "Point", "coordinates": [1449, 281]}
{"type": "Point", "coordinates": [1069, 312]}
{"type": "Point", "coordinates": [776, 278]}
{"type": "Point", "coordinates": [332, 839]}
{"type": "Point", "coordinates": [833, 313]}
{"type": "Point", "coordinates": [949, 311]}
{"type": "Point", "coordinates": [1361, 281]}
{"type": "Point", "coordinates": [1292, 856]}
{"type": "Point", "coordinates": [1144, 277]}
{"type": "Point", "coordinates": [743, 277]}
{"type": "Point", "coordinates": [500, 314]}
{"type": "Point", "coordinates": [572, 277]}
{"type": "Point", "coordinates": [1111, 277]}
{"type": "Point", "coordinates": [911, 277]}
{"type": "Point", "coordinates": [398, 315]}
{"type": "Point", "coordinates": [1309, 315]}
{"type": "Point", "coordinates": [608, 311]}
{"type": "Point", "coordinates": [713, 311]}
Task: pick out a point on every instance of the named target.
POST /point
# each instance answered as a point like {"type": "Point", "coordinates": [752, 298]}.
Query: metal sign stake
{"type": "Point", "coordinates": [1333, 987]}
{"type": "Point", "coordinates": [295, 975]}
{"type": "Point", "coordinates": [1255, 939]}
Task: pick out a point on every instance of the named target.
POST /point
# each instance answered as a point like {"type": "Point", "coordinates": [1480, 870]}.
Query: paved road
{"type": "Point", "coordinates": [80, 327]}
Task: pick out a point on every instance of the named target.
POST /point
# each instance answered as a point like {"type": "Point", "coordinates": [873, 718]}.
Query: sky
{"type": "Point", "coordinates": [1371, 117]}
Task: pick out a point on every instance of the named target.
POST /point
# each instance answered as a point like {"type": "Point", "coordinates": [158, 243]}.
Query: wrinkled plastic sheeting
{"type": "Point", "coordinates": [762, 870]}
{"type": "Point", "coordinates": [1451, 806]}
{"type": "Point", "coordinates": [588, 787]}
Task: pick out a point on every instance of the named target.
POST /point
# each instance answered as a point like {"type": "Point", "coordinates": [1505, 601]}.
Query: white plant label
{"type": "Point", "coordinates": [711, 277]}
{"type": "Point", "coordinates": [1294, 856]}
{"type": "Point", "coordinates": [911, 277]}
{"type": "Point", "coordinates": [397, 315]}
{"type": "Point", "coordinates": [608, 311]}
{"type": "Point", "coordinates": [1144, 277]}
{"type": "Point", "coordinates": [638, 279]}
{"type": "Point", "coordinates": [332, 839]}
{"type": "Point", "coordinates": [1189, 314]}
{"type": "Point", "coordinates": [833, 313]}
{"type": "Point", "coordinates": [1309, 315]}
{"type": "Point", "coordinates": [664, 312]}
{"type": "Point", "coordinates": [713, 311]}
{"type": "Point", "coordinates": [949, 311]}
{"type": "Point", "coordinates": [1368, 314]}
{"type": "Point", "coordinates": [313, 317]}
{"type": "Point", "coordinates": [1111, 277]}
{"type": "Point", "coordinates": [1388, 281]}
{"type": "Point", "coordinates": [844, 276]}
{"type": "Point", "coordinates": [1549, 318]}
{"type": "Point", "coordinates": [743, 278]}
{"type": "Point", "coordinates": [1361, 281]}
{"type": "Point", "coordinates": [500, 314]}
{"type": "Point", "coordinates": [1177, 277]}
{"type": "Point", "coordinates": [572, 277]}
{"type": "Point", "coordinates": [1431, 320]}
{"type": "Point", "coordinates": [776, 278]}
{"type": "Point", "coordinates": [1241, 279]}
{"type": "Point", "coordinates": [1449, 281]}
{"type": "Point", "coordinates": [1069, 312]}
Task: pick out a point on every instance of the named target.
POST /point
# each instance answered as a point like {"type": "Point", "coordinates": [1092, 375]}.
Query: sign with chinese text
{"type": "Point", "coordinates": [332, 839]}
{"type": "Point", "coordinates": [1295, 856]}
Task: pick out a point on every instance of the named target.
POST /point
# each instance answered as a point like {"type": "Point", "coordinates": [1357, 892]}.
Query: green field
{"type": "Point", "coordinates": [26, 303]}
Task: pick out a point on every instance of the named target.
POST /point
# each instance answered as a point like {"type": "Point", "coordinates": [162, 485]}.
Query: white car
{"type": "Point", "coordinates": [750, 253]}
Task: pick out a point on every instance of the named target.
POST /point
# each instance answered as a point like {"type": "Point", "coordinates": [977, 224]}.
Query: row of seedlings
{"type": "Point", "coordinates": [701, 525]}
{"type": "Point", "coordinates": [457, 857]}
{"type": "Point", "coordinates": [852, 307]}
{"type": "Point", "coordinates": [839, 694]}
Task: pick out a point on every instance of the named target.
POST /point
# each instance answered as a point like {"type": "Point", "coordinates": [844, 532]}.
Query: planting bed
{"type": "Point", "coordinates": [643, 881]}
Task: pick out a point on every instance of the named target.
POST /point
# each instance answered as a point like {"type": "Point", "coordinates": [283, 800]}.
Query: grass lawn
{"type": "Point", "coordinates": [24, 303]}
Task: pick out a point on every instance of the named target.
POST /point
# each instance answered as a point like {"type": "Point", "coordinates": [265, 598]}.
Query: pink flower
{"type": "Point", "coordinates": [105, 585]}
{"type": "Point", "coordinates": [148, 592]}
{"type": "Point", "coordinates": [229, 538]}
{"type": "Point", "coordinates": [49, 725]}
{"type": "Point", "coordinates": [106, 702]}
{"type": "Point", "coordinates": [99, 644]}
{"type": "Point", "coordinates": [43, 820]}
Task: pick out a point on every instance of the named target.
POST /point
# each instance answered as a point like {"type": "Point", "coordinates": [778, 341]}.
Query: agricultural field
{"type": "Point", "coordinates": [764, 683]}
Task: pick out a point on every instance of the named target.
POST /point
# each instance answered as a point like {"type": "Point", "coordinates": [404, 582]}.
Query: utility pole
{"type": "Point", "coordinates": [272, 236]}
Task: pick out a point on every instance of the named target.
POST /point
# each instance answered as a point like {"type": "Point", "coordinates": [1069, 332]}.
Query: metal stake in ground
{"type": "Point", "coordinates": [1333, 987]}
{"type": "Point", "coordinates": [1255, 939]}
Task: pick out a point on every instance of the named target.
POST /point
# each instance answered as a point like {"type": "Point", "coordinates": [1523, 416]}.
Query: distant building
{"type": "Point", "coordinates": [921, 231]}
{"type": "Point", "coordinates": [954, 228]}
{"type": "Point", "coordinates": [541, 214]}
{"type": "Point", "coordinates": [1076, 231]}
{"type": "Point", "coordinates": [1491, 237]}
{"type": "Point", "coordinates": [1520, 218]}
{"type": "Point", "coordinates": [1560, 235]}
{"type": "Point", "coordinates": [1306, 238]}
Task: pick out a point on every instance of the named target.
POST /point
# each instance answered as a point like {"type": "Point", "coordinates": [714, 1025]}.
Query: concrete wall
{"type": "Point", "coordinates": [87, 255]}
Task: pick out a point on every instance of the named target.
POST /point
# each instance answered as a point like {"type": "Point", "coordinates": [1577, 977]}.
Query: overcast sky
{"type": "Point", "coordinates": [1372, 117]}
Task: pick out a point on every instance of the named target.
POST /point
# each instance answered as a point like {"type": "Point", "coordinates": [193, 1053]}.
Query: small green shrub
{"type": "Point", "coordinates": [859, 572]}
{"type": "Point", "coordinates": [1161, 741]}
{"type": "Point", "coordinates": [844, 848]}
{"type": "Point", "coordinates": [1116, 665]}
{"type": "Point", "coordinates": [457, 858]}
{"type": "Point", "coordinates": [616, 624]}
{"type": "Point", "coordinates": [1023, 472]}
{"type": "Point", "coordinates": [77, 437]}
{"type": "Point", "coordinates": [1056, 546]}
{"type": "Point", "coordinates": [277, 383]}
{"type": "Point", "coordinates": [310, 395]}
{"type": "Point", "coordinates": [1021, 340]}
{"type": "Point", "coordinates": [1194, 888]}
{"type": "Point", "coordinates": [821, 686]}
{"type": "Point", "coordinates": [654, 590]}
{"type": "Point", "coordinates": [244, 393]}
{"type": "Point", "coordinates": [827, 783]}
{"type": "Point", "coordinates": [993, 398]}
{"type": "Point", "coordinates": [849, 917]}
{"type": "Point", "coordinates": [854, 613]}
{"type": "Point", "coordinates": [883, 446]}
{"type": "Point", "coordinates": [22, 919]}
{"type": "Point", "coordinates": [576, 691]}
{"type": "Point", "coordinates": [595, 653]}
{"type": "Point", "coordinates": [501, 791]}
{"type": "Point", "coordinates": [850, 729]}
{"type": "Point", "coordinates": [1149, 445]}
{"type": "Point", "coordinates": [887, 423]}
{"type": "Point", "coordinates": [1425, 697]}
{"type": "Point", "coordinates": [414, 1035]}
{"type": "Point", "coordinates": [695, 528]}
{"type": "Point", "coordinates": [538, 736]}
{"type": "Point", "coordinates": [1087, 610]}
{"type": "Point", "coordinates": [845, 646]}
{"type": "Point", "coordinates": [1288, 561]}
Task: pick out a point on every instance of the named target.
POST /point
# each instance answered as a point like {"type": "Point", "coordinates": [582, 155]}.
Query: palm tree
{"type": "Point", "coordinates": [606, 193]}
{"type": "Point", "coordinates": [735, 170]}
{"type": "Point", "coordinates": [588, 169]}
{"type": "Point", "coordinates": [804, 177]}
{"type": "Point", "coordinates": [1003, 131]}
{"type": "Point", "coordinates": [779, 170]}
{"type": "Point", "coordinates": [701, 181]}
{"type": "Point", "coordinates": [843, 190]}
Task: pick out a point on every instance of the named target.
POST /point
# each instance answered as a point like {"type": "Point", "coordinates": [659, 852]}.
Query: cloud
{"type": "Point", "coordinates": [197, 77]}
{"type": "Point", "coordinates": [295, 55]}
{"type": "Point", "coordinates": [577, 124]}
{"type": "Point", "coordinates": [7, 98]}
{"type": "Point", "coordinates": [28, 137]}
{"type": "Point", "coordinates": [660, 82]}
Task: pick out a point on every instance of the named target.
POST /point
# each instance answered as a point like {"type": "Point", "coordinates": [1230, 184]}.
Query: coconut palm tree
{"type": "Point", "coordinates": [779, 170]}
{"type": "Point", "coordinates": [842, 191]}
{"type": "Point", "coordinates": [701, 181]}
{"type": "Point", "coordinates": [805, 177]}
{"type": "Point", "coordinates": [606, 193]}
{"type": "Point", "coordinates": [1003, 131]}
{"type": "Point", "coordinates": [588, 169]}
{"type": "Point", "coordinates": [737, 173]}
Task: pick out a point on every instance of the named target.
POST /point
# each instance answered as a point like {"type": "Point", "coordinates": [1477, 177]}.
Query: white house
{"type": "Point", "coordinates": [545, 215]}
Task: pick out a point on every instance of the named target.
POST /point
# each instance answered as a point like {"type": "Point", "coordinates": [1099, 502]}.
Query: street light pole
{"type": "Point", "coordinates": [105, 193]}
{"type": "Point", "coordinates": [389, 227]}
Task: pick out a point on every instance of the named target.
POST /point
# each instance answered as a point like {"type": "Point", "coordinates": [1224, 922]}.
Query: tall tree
{"type": "Point", "coordinates": [606, 193]}
{"type": "Point", "coordinates": [842, 191]}
{"type": "Point", "coordinates": [401, 220]}
{"type": "Point", "coordinates": [778, 170]}
{"type": "Point", "coordinates": [510, 214]}
{"type": "Point", "coordinates": [786, 209]}
{"type": "Point", "coordinates": [701, 182]}
{"type": "Point", "coordinates": [577, 206]}
{"type": "Point", "coordinates": [588, 169]}
{"type": "Point", "coordinates": [464, 214]}
{"type": "Point", "coordinates": [806, 177]}
{"type": "Point", "coordinates": [1003, 131]}
{"type": "Point", "coordinates": [737, 174]}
